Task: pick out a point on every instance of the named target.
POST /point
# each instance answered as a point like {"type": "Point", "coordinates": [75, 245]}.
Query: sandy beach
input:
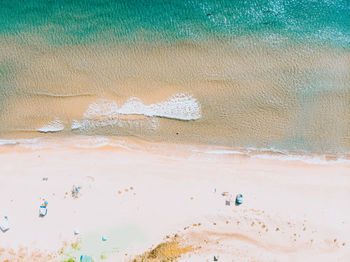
{"type": "Point", "coordinates": [128, 129]}
{"type": "Point", "coordinates": [137, 199]}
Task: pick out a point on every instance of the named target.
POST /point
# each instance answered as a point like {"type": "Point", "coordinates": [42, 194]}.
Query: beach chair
{"type": "Point", "coordinates": [4, 224]}
{"type": "Point", "coordinates": [85, 258]}
{"type": "Point", "coordinates": [43, 211]}
{"type": "Point", "coordinates": [239, 199]}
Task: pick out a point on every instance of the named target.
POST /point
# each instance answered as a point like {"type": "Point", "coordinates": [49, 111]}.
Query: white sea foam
{"type": "Point", "coordinates": [280, 155]}
{"type": "Point", "coordinates": [221, 152]}
{"type": "Point", "coordinates": [93, 142]}
{"type": "Point", "coordinates": [150, 124]}
{"type": "Point", "coordinates": [18, 141]}
{"type": "Point", "coordinates": [179, 106]}
{"type": "Point", "coordinates": [53, 126]}
{"type": "Point", "coordinates": [8, 142]}
{"type": "Point", "coordinates": [34, 143]}
{"type": "Point", "coordinates": [316, 160]}
{"type": "Point", "coordinates": [107, 113]}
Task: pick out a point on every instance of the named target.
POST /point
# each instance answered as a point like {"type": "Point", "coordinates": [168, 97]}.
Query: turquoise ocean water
{"type": "Point", "coordinates": [264, 74]}
{"type": "Point", "coordinates": [106, 22]}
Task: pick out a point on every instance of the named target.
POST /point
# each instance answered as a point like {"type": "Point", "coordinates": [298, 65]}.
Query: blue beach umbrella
{"type": "Point", "coordinates": [239, 199]}
{"type": "Point", "coordinates": [85, 258]}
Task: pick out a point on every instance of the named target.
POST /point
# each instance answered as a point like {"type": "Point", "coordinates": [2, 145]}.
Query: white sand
{"type": "Point", "coordinates": [309, 204]}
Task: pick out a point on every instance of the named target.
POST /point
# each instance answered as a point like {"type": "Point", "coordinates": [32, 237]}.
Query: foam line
{"type": "Point", "coordinates": [53, 126]}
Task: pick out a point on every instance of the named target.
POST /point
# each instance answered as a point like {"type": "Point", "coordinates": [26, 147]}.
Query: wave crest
{"type": "Point", "coordinates": [53, 126]}
{"type": "Point", "coordinates": [105, 112]}
{"type": "Point", "coordinates": [179, 106]}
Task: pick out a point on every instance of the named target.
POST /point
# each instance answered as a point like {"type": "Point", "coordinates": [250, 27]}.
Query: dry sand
{"type": "Point", "coordinates": [292, 211]}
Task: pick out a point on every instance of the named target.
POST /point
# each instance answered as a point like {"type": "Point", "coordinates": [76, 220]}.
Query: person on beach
{"type": "Point", "coordinates": [75, 191]}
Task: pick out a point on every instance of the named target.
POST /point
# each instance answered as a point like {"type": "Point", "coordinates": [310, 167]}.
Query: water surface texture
{"type": "Point", "coordinates": [263, 74]}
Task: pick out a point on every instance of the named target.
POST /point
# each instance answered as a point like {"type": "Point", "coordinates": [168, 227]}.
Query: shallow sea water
{"type": "Point", "coordinates": [272, 74]}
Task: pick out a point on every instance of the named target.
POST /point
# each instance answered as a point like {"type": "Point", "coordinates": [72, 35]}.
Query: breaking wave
{"type": "Point", "coordinates": [104, 113]}
{"type": "Point", "coordinates": [53, 126]}
{"type": "Point", "coordinates": [179, 106]}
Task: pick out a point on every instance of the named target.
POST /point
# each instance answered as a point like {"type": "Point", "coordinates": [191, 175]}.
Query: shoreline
{"type": "Point", "coordinates": [137, 198]}
{"type": "Point", "coordinates": [142, 144]}
{"type": "Point", "coordinates": [248, 96]}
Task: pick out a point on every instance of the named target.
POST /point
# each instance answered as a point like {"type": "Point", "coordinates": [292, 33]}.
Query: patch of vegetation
{"type": "Point", "coordinates": [69, 260]}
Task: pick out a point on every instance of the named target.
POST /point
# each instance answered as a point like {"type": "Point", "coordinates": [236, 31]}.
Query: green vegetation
{"type": "Point", "coordinates": [69, 260]}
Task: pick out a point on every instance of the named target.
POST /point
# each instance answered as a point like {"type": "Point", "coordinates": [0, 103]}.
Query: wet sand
{"type": "Point", "coordinates": [251, 93]}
